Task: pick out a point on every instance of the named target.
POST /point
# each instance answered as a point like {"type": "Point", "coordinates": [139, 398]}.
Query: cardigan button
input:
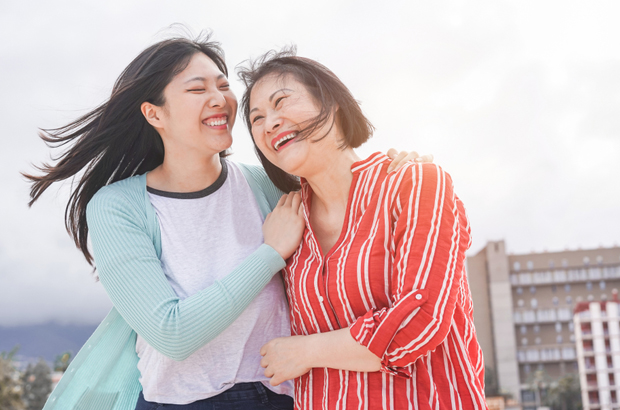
{"type": "Point", "coordinates": [418, 296]}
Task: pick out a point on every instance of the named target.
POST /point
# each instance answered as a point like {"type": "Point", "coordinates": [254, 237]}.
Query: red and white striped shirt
{"type": "Point", "coordinates": [396, 279]}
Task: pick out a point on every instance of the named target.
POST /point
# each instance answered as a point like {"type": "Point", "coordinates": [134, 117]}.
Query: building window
{"type": "Point", "coordinates": [571, 326]}
{"type": "Point", "coordinates": [569, 300]}
{"type": "Point", "coordinates": [520, 303]}
{"type": "Point", "coordinates": [572, 338]}
{"type": "Point", "coordinates": [599, 259]}
{"type": "Point", "coordinates": [524, 341]}
{"type": "Point", "coordinates": [530, 265]}
{"type": "Point", "coordinates": [586, 260]}
{"type": "Point", "coordinates": [523, 329]}
{"type": "Point", "coordinates": [532, 289]}
{"type": "Point", "coordinates": [564, 262]}
{"type": "Point", "coordinates": [541, 367]}
{"type": "Point", "coordinates": [537, 340]}
{"type": "Point", "coordinates": [590, 298]}
{"type": "Point", "coordinates": [602, 285]}
{"type": "Point", "coordinates": [534, 303]}
{"type": "Point", "coordinates": [551, 263]}
{"type": "Point", "coordinates": [536, 328]}
{"type": "Point", "coordinates": [604, 296]}
{"type": "Point", "coordinates": [554, 288]}
{"type": "Point", "coordinates": [567, 287]}
{"type": "Point", "coordinates": [516, 266]}
{"type": "Point", "coordinates": [555, 300]}
{"type": "Point", "coordinates": [527, 369]}
{"type": "Point", "coordinates": [519, 290]}
{"type": "Point", "coordinates": [589, 285]}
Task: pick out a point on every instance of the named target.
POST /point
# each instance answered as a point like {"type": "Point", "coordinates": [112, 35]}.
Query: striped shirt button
{"type": "Point", "coordinates": [418, 296]}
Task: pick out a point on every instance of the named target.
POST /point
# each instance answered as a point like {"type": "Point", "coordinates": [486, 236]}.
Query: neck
{"type": "Point", "coordinates": [332, 181]}
{"type": "Point", "coordinates": [185, 172]}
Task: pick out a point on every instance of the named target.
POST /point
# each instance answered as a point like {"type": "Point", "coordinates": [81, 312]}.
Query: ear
{"type": "Point", "coordinates": [152, 113]}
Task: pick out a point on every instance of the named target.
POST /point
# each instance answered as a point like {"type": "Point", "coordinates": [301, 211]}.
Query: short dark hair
{"type": "Point", "coordinates": [327, 90]}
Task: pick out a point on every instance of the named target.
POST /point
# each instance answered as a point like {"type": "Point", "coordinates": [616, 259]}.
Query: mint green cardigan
{"type": "Point", "coordinates": [126, 243]}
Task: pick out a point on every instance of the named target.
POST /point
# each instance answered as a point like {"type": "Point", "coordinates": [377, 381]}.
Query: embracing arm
{"type": "Point", "coordinates": [131, 273]}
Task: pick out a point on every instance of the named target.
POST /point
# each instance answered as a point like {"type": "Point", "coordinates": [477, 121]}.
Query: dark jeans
{"type": "Point", "coordinates": [242, 396]}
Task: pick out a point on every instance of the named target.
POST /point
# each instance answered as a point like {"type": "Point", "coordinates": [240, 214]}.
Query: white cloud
{"type": "Point", "coordinates": [517, 100]}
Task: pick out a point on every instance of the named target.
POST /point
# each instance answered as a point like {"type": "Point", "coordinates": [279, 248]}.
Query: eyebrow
{"type": "Point", "coordinates": [203, 78]}
{"type": "Point", "coordinates": [271, 97]}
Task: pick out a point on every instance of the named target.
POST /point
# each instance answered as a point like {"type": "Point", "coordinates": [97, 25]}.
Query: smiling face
{"type": "Point", "coordinates": [280, 108]}
{"type": "Point", "coordinates": [199, 109]}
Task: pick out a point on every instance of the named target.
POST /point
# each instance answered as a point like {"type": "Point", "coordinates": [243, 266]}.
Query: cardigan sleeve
{"type": "Point", "coordinates": [131, 273]}
{"type": "Point", "coordinates": [430, 237]}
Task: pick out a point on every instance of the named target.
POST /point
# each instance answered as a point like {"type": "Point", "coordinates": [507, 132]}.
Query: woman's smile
{"type": "Point", "coordinates": [283, 140]}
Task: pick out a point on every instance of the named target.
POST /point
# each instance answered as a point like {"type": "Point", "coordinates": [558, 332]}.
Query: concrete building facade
{"type": "Point", "coordinates": [523, 310]}
{"type": "Point", "coordinates": [597, 334]}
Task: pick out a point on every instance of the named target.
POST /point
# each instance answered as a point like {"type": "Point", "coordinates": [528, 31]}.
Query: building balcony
{"type": "Point", "coordinates": [564, 275]}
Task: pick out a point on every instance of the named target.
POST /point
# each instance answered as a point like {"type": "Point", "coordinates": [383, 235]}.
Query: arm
{"type": "Point", "coordinates": [131, 273]}
{"type": "Point", "coordinates": [286, 358]}
{"type": "Point", "coordinates": [430, 236]}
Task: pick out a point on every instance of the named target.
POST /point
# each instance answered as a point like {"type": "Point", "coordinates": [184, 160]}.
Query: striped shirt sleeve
{"type": "Point", "coordinates": [430, 235]}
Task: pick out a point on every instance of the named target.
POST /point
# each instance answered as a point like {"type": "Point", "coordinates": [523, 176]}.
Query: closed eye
{"type": "Point", "coordinates": [258, 117]}
{"type": "Point", "coordinates": [196, 90]}
{"type": "Point", "coordinates": [278, 101]}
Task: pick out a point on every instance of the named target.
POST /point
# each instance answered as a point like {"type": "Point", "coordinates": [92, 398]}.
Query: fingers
{"type": "Point", "coordinates": [392, 153]}
{"type": "Point", "coordinates": [401, 159]}
{"type": "Point", "coordinates": [425, 158]}
{"type": "Point", "coordinates": [410, 156]}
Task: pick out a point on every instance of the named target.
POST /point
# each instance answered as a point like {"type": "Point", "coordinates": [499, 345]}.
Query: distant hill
{"type": "Point", "coordinates": [46, 340]}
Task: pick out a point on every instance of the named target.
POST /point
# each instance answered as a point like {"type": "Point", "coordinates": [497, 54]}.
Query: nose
{"type": "Point", "coordinates": [272, 123]}
{"type": "Point", "coordinates": [217, 99]}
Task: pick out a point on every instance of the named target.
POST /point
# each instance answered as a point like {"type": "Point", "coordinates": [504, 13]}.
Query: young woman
{"type": "Point", "coordinates": [178, 240]}
{"type": "Point", "coordinates": [381, 312]}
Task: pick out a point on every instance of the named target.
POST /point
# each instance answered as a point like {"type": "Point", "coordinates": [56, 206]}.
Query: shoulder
{"type": "Point", "coordinates": [127, 194]}
{"type": "Point", "coordinates": [416, 183]}
{"type": "Point", "coordinates": [257, 177]}
{"type": "Point", "coordinates": [412, 174]}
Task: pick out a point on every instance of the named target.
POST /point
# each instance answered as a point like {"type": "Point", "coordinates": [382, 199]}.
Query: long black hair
{"type": "Point", "coordinates": [328, 92]}
{"type": "Point", "coordinates": [114, 141]}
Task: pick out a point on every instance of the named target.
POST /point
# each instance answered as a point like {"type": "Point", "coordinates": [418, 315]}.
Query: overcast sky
{"type": "Point", "coordinates": [518, 100]}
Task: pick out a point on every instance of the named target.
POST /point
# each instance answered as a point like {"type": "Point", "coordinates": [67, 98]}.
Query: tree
{"type": "Point", "coordinates": [36, 385]}
{"type": "Point", "coordinates": [491, 386]}
{"type": "Point", "coordinates": [566, 395]}
{"type": "Point", "coordinates": [62, 362]}
{"type": "Point", "coordinates": [10, 385]}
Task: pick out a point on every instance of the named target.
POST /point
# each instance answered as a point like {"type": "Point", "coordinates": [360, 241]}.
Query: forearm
{"type": "Point", "coordinates": [338, 350]}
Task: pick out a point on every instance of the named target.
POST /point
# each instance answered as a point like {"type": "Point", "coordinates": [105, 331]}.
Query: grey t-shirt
{"type": "Point", "coordinates": [205, 235]}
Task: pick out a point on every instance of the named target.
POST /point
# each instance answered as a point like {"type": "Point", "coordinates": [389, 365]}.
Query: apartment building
{"type": "Point", "coordinates": [523, 310]}
{"type": "Point", "coordinates": [597, 334]}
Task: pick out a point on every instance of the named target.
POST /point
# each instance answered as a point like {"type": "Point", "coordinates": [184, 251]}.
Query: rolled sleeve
{"type": "Point", "coordinates": [430, 236]}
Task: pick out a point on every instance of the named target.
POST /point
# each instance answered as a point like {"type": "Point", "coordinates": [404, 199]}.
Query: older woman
{"type": "Point", "coordinates": [381, 313]}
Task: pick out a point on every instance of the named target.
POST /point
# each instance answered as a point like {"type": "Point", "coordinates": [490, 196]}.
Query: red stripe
{"type": "Point", "coordinates": [405, 236]}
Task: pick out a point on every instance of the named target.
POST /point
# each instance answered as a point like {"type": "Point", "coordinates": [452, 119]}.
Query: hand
{"type": "Point", "coordinates": [285, 225]}
{"type": "Point", "coordinates": [401, 158]}
{"type": "Point", "coordinates": [284, 359]}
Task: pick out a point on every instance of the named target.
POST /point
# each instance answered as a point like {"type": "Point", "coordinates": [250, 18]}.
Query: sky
{"type": "Point", "coordinates": [518, 100]}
